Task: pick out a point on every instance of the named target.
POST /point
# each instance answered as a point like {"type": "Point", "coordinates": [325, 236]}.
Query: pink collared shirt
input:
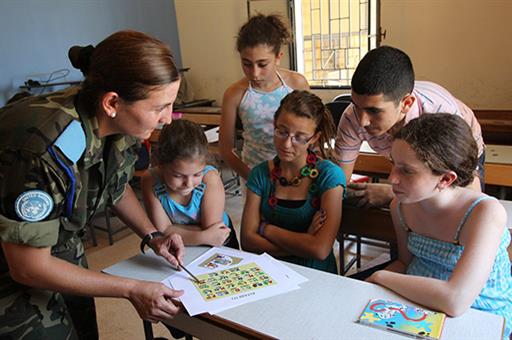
{"type": "Point", "coordinates": [430, 98]}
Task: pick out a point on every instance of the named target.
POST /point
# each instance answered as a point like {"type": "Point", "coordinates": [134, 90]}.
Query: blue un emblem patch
{"type": "Point", "coordinates": [33, 205]}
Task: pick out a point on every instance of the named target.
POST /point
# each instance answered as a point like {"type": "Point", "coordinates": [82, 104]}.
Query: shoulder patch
{"type": "Point", "coordinates": [33, 205]}
{"type": "Point", "coordinates": [72, 141]}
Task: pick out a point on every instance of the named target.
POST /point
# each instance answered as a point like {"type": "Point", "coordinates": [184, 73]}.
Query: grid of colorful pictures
{"type": "Point", "coordinates": [229, 278]}
{"type": "Point", "coordinates": [232, 281]}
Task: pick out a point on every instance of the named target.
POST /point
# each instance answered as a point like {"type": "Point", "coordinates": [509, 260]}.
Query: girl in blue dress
{"type": "Point", "coordinates": [452, 241]}
{"type": "Point", "coordinates": [183, 194]}
{"type": "Point", "coordinates": [256, 97]}
{"type": "Point", "coordinates": [293, 206]}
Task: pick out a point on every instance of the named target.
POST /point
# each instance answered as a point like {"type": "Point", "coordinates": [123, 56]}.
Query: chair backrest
{"type": "Point", "coordinates": [338, 106]}
{"type": "Point", "coordinates": [344, 97]}
{"type": "Point", "coordinates": [371, 223]}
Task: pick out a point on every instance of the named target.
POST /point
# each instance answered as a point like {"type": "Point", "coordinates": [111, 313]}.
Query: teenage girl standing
{"type": "Point", "coordinates": [256, 97]}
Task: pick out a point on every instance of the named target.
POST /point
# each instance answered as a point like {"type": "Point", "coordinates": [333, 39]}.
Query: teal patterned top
{"type": "Point", "coordinates": [297, 219]}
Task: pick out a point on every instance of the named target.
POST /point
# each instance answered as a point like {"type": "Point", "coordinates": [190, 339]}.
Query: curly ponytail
{"type": "Point", "coordinates": [262, 29]}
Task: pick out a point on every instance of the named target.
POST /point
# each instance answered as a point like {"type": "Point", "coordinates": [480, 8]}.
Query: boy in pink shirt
{"type": "Point", "coordinates": [385, 97]}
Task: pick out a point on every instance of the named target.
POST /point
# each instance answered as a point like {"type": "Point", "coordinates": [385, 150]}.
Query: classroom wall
{"type": "Point", "coordinates": [35, 35]}
{"type": "Point", "coordinates": [463, 45]}
{"type": "Point", "coordinates": [207, 30]}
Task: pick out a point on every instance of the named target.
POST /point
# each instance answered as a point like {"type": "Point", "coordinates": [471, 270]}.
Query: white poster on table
{"type": "Point", "coordinates": [230, 278]}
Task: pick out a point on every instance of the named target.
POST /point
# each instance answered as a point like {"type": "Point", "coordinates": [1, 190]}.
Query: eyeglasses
{"type": "Point", "coordinates": [296, 140]}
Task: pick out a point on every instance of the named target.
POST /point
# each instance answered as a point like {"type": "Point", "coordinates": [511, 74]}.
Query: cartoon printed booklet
{"type": "Point", "coordinates": [230, 278]}
{"type": "Point", "coordinates": [400, 318]}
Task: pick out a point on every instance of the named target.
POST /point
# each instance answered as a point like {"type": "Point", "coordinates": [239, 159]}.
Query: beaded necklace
{"type": "Point", "coordinates": [309, 170]}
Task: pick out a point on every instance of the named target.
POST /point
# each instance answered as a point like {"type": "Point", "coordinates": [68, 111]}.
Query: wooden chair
{"type": "Point", "coordinates": [108, 214]}
{"type": "Point", "coordinates": [109, 229]}
{"type": "Point", "coordinates": [365, 226]}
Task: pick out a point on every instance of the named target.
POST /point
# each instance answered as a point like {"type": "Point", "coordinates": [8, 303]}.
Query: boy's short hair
{"type": "Point", "coordinates": [385, 70]}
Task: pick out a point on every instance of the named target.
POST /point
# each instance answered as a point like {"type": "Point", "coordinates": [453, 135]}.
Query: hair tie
{"type": "Point", "coordinates": [80, 57]}
{"type": "Point", "coordinates": [85, 58]}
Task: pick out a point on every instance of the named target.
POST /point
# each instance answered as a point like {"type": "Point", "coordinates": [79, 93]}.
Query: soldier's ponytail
{"type": "Point", "coordinates": [80, 57]}
{"type": "Point", "coordinates": [130, 63]}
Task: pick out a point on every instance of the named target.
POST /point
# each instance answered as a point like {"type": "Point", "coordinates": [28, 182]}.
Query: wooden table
{"type": "Point", "coordinates": [325, 307]}
{"type": "Point", "coordinates": [203, 115]}
{"type": "Point", "coordinates": [496, 125]}
{"type": "Point", "coordinates": [498, 165]}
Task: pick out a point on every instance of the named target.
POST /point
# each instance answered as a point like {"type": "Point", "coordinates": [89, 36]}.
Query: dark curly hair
{"type": "Point", "coordinates": [262, 29]}
{"type": "Point", "coordinates": [443, 142]}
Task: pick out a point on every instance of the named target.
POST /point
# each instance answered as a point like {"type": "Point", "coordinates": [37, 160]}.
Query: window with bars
{"type": "Point", "coordinates": [331, 36]}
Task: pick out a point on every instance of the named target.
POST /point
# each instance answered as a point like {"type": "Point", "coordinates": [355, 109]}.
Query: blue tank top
{"type": "Point", "coordinates": [256, 111]}
{"type": "Point", "coordinates": [437, 259]}
{"type": "Point", "coordinates": [183, 214]}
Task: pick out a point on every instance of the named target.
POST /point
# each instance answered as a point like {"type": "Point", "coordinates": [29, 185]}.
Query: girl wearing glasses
{"type": "Point", "coordinates": [293, 206]}
{"type": "Point", "coordinates": [256, 97]}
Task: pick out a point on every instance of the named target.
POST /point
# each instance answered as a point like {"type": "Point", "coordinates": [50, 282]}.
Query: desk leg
{"type": "Point", "coordinates": [148, 330]}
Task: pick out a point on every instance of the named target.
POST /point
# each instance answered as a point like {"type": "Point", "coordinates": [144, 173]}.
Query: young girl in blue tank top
{"type": "Point", "coordinates": [452, 241]}
{"type": "Point", "coordinates": [293, 207]}
{"type": "Point", "coordinates": [184, 195]}
{"type": "Point", "coordinates": [256, 97]}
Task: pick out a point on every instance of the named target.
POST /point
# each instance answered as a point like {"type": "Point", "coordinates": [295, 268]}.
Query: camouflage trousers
{"type": "Point", "coordinates": [28, 313]}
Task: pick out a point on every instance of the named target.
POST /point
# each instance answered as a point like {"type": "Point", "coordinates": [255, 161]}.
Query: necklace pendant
{"type": "Point", "coordinates": [295, 181]}
{"type": "Point", "coordinates": [283, 181]}
{"type": "Point", "coordinates": [305, 171]}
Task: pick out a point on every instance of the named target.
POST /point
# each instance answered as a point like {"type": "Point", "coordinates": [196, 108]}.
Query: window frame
{"type": "Point", "coordinates": [296, 45]}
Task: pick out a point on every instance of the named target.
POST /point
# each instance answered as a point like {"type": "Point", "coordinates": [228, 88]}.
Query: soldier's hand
{"type": "Point", "coordinates": [169, 247]}
{"type": "Point", "coordinates": [154, 301]}
{"type": "Point", "coordinates": [368, 195]}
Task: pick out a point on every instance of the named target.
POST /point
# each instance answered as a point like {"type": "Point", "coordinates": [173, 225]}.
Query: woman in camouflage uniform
{"type": "Point", "coordinates": [64, 156]}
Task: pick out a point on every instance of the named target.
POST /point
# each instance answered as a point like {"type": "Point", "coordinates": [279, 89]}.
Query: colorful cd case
{"type": "Point", "coordinates": [398, 317]}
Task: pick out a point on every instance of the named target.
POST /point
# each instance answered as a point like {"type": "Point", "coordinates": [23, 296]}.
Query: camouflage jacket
{"type": "Point", "coordinates": [81, 181]}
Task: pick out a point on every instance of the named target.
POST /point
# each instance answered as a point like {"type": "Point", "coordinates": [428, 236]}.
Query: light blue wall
{"type": "Point", "coordinates": [35, 35]}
